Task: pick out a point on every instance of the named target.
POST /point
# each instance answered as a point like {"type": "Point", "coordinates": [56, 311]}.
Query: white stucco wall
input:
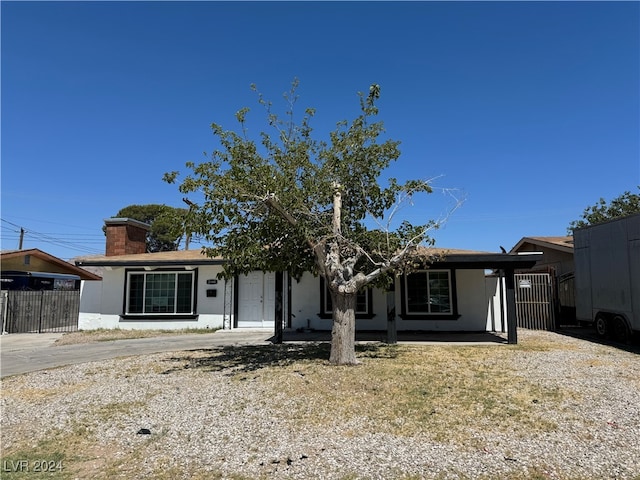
{"type": "Point", "coordinates": [496, 301]}
{"type": "Point", "coordinates": [90, 296]}
{"type": "Point", "coordinates": [102, 304]}
{"type": "Point", "coordinates": [102, 307]}
{"type": "Point", "coordinates": [90, 303]}
{"type": "Point", "coordinates": [472, 307]}
{"type": "Point", "coordinates": [305, 304]}
{"type": "Point", "coordinates": [474, 304]}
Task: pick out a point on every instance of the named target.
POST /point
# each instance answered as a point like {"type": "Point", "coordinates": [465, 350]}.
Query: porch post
{"type": "Point", "coordinates": [236, 300]}
{"type": "Point", "coordinates": [278, 313]}
{"type": "Point", "coordinates": [512, 322]}
{"type": "Point", "coordinates": [392, 328]}
{"type": "Point", "coordinates": [502, 299]}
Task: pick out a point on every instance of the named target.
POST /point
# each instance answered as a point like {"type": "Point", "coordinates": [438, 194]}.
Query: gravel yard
{"type": "Point", "coordinates": [551, 407]}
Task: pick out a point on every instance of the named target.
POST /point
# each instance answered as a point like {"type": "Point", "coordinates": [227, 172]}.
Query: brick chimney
{"type": "Point", "coordinates": [126, 236]}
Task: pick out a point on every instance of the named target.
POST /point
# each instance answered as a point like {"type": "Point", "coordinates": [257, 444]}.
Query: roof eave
{"type": "Point", "coordinates": [76, 269]}
{"type": "Point", "coordinates": [541, 243]}
{"type": "Point", "coordinates": [155, 263]}
{"type": "Point", "coordinates": [462, 261]}
{"type": "Point", "coordinates": [502, 261]}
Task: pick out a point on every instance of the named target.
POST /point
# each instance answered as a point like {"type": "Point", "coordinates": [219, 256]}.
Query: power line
{"type": "Point", "coordinates": [59, 242]}
{"type": "Point", "coordinates": [87, 236]}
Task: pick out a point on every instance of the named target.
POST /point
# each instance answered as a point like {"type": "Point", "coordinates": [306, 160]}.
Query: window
{"type": "Point", "coordinates": [428, 292]}
{"type": "Point", "coordinates": [160, 293]}
{"type": "Point", "coordinates": [364, 306]}
{"type": "Point", "coordinates": [362, 302]}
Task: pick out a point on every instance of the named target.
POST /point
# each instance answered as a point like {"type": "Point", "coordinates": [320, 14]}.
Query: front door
{"type": "Point", "coordinates": [256, 300]}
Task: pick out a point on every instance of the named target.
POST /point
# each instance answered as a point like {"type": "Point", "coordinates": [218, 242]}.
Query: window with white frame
{"type": "Point", "coordinates": [428, 292]}
{"type": "Point", "coordinates": [160, 293]}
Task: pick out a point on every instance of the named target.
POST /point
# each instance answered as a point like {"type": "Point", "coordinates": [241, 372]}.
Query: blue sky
{"type": "Point", "coordinates": [530, 110]}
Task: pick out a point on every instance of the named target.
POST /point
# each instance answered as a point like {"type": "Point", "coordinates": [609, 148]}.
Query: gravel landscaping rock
{"type": "Point", "coordinates": [196, 420]}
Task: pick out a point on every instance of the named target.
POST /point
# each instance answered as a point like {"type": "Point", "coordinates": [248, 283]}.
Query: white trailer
{"type": "Point", "coordinates": [607, 276]}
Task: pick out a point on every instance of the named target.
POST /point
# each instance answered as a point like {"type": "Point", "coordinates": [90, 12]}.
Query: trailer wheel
{"type": "Point", "coordinates": [602, 325]}
{"type": "Point", "coordinates": [621, 330]}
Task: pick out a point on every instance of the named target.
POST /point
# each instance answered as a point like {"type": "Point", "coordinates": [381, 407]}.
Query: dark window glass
{"type": "Point", "coordinates": [428, 292]}
{"type": "Point", "coordinates": [184, 296]}
{"type": "Point", "coordinates": [160, 293]}
{"type": "Point", "coordinates": [362, 301]}
{"type": "Point", "coordinates": [136, 293]}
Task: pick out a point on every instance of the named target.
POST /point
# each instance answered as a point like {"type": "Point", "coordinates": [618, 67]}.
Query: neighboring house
{"type": "Point", "coordinates": [40, 292]}
{"type": "Point", "coordinates": [557, 253]}
{"type": "Point", "coordinates": [181, 289]}
{"type": "Point", "coordinates": [34, 269]}
{"type": "Point", "coordinates": [557, 262]}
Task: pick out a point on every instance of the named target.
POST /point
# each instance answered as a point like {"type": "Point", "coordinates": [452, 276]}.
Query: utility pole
{"type": "Point", "coordinates": [21, 238]}
{"type": "Point", "coordinates": [187, 226]}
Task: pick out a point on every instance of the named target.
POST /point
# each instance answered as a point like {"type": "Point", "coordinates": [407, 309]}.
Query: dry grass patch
{"type": "Point", "coordinates": [446, 392]}
{"type": "Point", "coordinates": [68, 449]}
{"type": "Point", "coordinates": [111, 412]}
{"type": "Point", "coordinates": [15, 387]}
{"type": "Point", "coordinates": [131, 370]}
{"type": "Point", "coordinates": [108, 335]}
{"type": "Point", "coordinates": [78, 452]}
{"type": "Point", "coordinates": [540, 341]}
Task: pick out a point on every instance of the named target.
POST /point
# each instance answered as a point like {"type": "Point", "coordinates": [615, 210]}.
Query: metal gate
{"type": "Point", "coordinates": [534, 301]}
{"type": "Point", "coordinates": [41, 311]}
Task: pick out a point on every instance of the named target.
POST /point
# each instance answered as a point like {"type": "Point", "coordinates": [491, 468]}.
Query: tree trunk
{"type": "Point", "coordinates": [343, 334]}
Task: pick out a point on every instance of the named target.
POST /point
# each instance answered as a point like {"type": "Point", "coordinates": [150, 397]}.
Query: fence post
{"type": "Point", "coordinates": [512, 322]}
{"type": "Point", "coordinates": [41, 306]}
{"type": "Point", "coordinates": [5, 307]}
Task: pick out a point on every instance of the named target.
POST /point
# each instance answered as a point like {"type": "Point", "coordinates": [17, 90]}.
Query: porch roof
{"type": "Point", "coordinates": [489, 261]}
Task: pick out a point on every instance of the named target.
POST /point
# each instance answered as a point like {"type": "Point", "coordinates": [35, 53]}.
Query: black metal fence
{"type": "Point", "coordinates": [534, 301]}
{"type": "Point", "coordinates": [41, 311]}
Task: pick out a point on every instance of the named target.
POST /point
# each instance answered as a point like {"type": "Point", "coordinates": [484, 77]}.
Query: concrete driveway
{"type": "Point", "coordinates": [30, 352]}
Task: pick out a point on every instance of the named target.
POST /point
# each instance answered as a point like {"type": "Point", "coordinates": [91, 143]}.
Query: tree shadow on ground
{"type": "Point", "coordinates": [250, 358]}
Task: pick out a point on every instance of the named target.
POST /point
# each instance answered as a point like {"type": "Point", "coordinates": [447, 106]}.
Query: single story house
{"type": "Point", "coordinates": [557, 253]}
{"type": "Point", "coordinates": [40, 292]}
{"type": "Point", "coordinates": [557, 263]}
{"type": "Point", "coordinates": [33, 269]}
{"type": "Point", "coordinates": [181, 289]}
